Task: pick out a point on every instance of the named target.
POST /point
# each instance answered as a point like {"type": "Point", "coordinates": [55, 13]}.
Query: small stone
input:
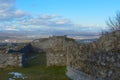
{"type": "Point", "coordinates": [102, 63]}
{"type": "Point", "coordinates": [110, 73]}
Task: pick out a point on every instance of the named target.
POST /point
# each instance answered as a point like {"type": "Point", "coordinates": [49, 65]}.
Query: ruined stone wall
{"type": "Point", "coordinates": [100, 59]}
{"type": "Point", "coordinates": [77, 74]}
{"type": "Point", "coordinates": [10, 59]}
{"type": "Point", "coordinates": [12, 55]}
{"type": "Point", "coordinates": [55, 48]}
{"type": "Point", "coordinates": [97, 60]}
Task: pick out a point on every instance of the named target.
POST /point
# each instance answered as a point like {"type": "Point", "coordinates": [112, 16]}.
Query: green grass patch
{"type": "Point", "coordinates": [39, 59]}
{"type": "Point", "coordinates": [38, 73]}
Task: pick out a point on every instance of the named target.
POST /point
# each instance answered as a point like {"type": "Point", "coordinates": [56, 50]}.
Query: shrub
{"type": "Point", "coordinates": [114, 24]}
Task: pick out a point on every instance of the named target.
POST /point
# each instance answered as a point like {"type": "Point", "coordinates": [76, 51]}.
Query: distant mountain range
{"type": "Point", "coordinates": [9, 34]}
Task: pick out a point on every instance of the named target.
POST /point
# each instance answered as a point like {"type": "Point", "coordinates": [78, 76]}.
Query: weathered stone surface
{"type": "Point", "coordinates": [12, 55]}
{"type": "Point", "coordinates": [11, 60]}
{"type": "Point", "coordinates": [55, 48]}
{"type": "Point", "coordinates": [77, 75]}
{"type": "Point", "coordinates": [99, 59]}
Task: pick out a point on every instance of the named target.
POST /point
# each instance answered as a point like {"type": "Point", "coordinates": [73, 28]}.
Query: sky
{"type": "Point", "coordinates": [56, 15]}
{"type": "Point", "coordinates": [84, 12]}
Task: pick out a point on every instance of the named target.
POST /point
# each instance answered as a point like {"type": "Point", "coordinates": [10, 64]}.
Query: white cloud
{"type": "Point", "coordinates": [47, 16]}
{"type": "Point", "coordinates": [20, 13]}
{"type": "Point", "coordinates": [11, 16]}
{"type": "Point", "coordinates": [11, 29]}
{"type": "Point", "coordinates": [9, 12]}
{"type": "Point", "coordinates": [13, 19]}
{"type": "Point", "coordinates": [63, 21]}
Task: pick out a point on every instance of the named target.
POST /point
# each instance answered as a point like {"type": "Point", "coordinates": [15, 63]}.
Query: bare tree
{"type": "Point", "coordinates": [114, 23]}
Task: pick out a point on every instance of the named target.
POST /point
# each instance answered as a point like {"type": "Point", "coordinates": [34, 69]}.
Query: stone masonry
{"type": "Point", "coordinates": [100, 59]}
{"type": "Point", "coordinates": [55, 48]}
{"type": "Point", "coordinates": [7, 60]}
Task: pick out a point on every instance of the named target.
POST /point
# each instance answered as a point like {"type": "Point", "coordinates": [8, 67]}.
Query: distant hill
{"type": "Point", "coordinates": [31, 35]}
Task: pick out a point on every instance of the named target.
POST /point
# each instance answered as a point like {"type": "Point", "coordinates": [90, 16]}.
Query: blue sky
{"type": "Point", "coordinates": [55, 15]}
{"type": "Point", "coordinates": [84, 12]}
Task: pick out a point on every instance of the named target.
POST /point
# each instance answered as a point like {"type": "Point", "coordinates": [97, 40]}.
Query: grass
{"type": "Point", "coordinates": [38, 73]}
{"type": "Point", "coordinates": [37, 70]}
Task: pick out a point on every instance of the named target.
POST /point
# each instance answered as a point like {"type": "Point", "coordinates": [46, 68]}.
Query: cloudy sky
{"type": "Point", "coordinates": [56, 15]}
